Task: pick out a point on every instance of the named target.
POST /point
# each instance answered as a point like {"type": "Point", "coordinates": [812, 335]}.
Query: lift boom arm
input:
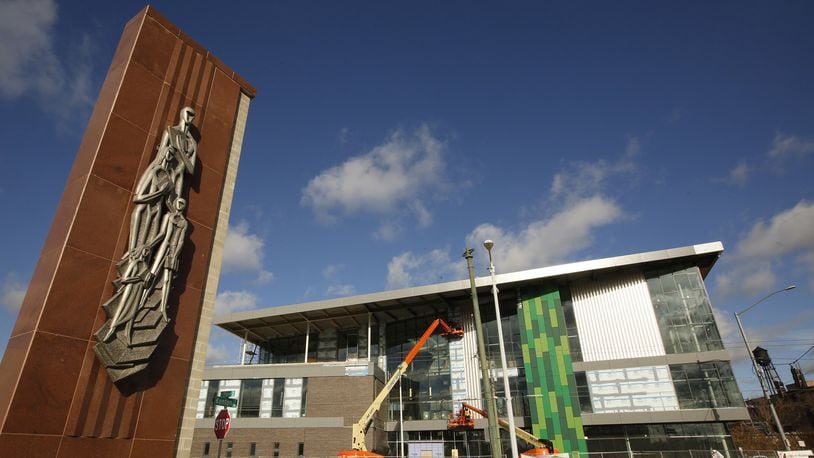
{"type": "Point", "coordinates": [361, 426]}
{"type": "Point", "coordinates": [521, 434]}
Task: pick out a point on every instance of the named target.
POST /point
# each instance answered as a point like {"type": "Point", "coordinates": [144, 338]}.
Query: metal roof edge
{"type": "Point", "coordinates": [709, 248]}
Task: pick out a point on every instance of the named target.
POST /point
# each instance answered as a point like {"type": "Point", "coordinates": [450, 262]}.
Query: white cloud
{"type": "Point", "coordinates": [223, 348]}
{"type": "Point", "coordinates": [234, 301]}
{"type": "Point", "coordinates": [633, 148]}
{"type": "Point", "coordinates": [730, 334]}
{"type": "Point", "coordinates": [423, 215]}
{"type": "Point", "coordinates": [344, 135]}
{"type": "Point", "coordinates": [548, 241]}
{"type": "Point", "coordinates": [410, 269]}
{"type": "Point", "coordinates": [748, 279]}
{"type": "Point", "coordinates": [264, 277]}
{"type": "Point", "coordinates": [540, 243]}
{"type": "Point", "coordinates": [786, 233]}
{"type": "Point", "coordinates": [29, 64]}
{"type": "Point", "coordinates": [244, 252]}
{"type": "Point", "coordinates": [785, 145]}
{"type": "Point", "coordinates": [340, 290]}
{"type": "Point", "coordinates": [12, 293]}
{"type": "Point", "coordinates": [579, 180]}
{"type": "Point", "coordinates": [392, 229]}
{"type": "Point", "coordinates": [738, 176]}
{"type": "Point", "coordinates": [217, 354]}
{"type": "Point", "coordinates": [27, 59]}
{"type": "Point", "coordinates": [331, 272]}
{"type": "Point", "coordinates": [388, 230]}
{"type": "Point", "coordinates": [582, 209]}
{"type": "Point", "coordinates": [403, 171]}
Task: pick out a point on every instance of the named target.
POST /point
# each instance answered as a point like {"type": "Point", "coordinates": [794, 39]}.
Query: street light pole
{"type": "Point", "coordinates": [488, 244]}
{"type": "Point", "coordinates": [755, 368]}
{"type": "Point", "coordinates": [488, 390]}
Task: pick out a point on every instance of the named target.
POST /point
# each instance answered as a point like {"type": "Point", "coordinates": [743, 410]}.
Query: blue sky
{"type": "Point", "coordinates": [385, 136]}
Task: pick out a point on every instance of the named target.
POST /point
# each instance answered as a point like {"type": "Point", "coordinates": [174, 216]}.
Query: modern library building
{"type": "Point", "coordinates": [610, 355]}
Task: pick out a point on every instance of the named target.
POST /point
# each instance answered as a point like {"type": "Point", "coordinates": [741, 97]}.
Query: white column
{"type": "Point", "coordinates": [307, 339]}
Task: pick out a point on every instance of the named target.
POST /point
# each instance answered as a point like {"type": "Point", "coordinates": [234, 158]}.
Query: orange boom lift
{"type": "Point", "coordinates": [463, 419]}
{"type": "Point", "coordinates": [358, 448]}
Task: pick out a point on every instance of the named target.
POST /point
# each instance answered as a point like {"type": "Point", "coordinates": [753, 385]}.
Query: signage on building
{"type": "Point", "coordinates": [222, 422]}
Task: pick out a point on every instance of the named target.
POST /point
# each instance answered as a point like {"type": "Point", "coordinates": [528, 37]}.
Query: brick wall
{"type": "Point", "coordinates": [346, 397]}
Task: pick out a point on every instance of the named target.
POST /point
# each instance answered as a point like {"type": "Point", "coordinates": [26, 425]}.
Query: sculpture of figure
{"type": "Point", "coordinates": [157, 227]}
{"type": "Point", "coordinates": [155, 184]}
{"type": "Point", "coordinates": [182, 146]}
{"type": "Point", "coordinates": [174, 228]}
{"type": "Point", "coordinates": [176, 156]}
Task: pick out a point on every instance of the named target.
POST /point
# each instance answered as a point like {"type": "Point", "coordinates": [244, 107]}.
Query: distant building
{"type": "Point", "coordinates": [613, 354]}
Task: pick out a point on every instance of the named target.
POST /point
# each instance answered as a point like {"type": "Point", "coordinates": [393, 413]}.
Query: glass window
{"type": "Point", "coordinates": [301, 449]}
{"type": "Point", "coordinates": [426, 385]}
{"type": "Point", "coordinates": [327, 345]}
{"type": "Point", "coordinates": [683, 311]}
{"type": "Point", "coordinates": [659, 437]}
{"type": "Point", "coordinates": [285, 350]}
{"type": "Point", "coordinates": [206, 449]}
{"type": "Point", "coordinates": [253, 449]}
{"type": "Point", "coordinates": [705, 385]}
{"type": "Point", "coordinates": [211, 394]}
{"type": "Point", "coordinates": [275, 452]}
{"type": "Point", "coordinates": [304, 392]}
{"type": "Point", "coordinates": [584, 393]}
{"type": "Point", "coordinates": [250, 393]}
{"type": "Point", "coordinates": [570, 323]}
{"type": "Point", "coordinates": [277, 397]}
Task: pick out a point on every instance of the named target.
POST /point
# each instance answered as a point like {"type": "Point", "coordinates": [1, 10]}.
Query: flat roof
{"type": "Point", "coordinates": [352, 311]}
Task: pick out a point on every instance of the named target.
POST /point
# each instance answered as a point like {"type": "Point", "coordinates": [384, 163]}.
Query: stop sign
{"type": "Point", "coordinates": [222, 423]}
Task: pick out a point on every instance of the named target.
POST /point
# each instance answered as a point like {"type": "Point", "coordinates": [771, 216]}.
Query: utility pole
{"type": "Point", "coordinates": [488, 390]}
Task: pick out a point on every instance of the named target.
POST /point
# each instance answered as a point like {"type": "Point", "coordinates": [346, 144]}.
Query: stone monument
{"type": "Point", "coordinates": [106, 355]}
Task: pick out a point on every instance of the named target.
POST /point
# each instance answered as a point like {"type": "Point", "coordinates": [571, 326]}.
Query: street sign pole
{"type": "Point", "coordinates": [222, 422]}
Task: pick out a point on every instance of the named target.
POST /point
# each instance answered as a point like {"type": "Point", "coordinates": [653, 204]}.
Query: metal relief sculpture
{"type": "Point", "coordinates": [137, 312]}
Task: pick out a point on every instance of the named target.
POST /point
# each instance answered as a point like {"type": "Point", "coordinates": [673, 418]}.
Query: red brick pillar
{"type": "Point", "coordinates": [55, 397]}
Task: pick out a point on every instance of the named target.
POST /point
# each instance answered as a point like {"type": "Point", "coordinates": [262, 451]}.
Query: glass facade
{"type": "Point", "coordinates": [632, 389]}
{"type": "Point", "coordinates": [517, 385]}
{"type": "Point", "coordinates": [514, 354]}
{"type": "Point", "coordinates": [256, 398]}
{"type": "Point", "coordinates": [330, 345]}
{"type": "Point", "coordinates": [511, 332]}
{"type": "Point", "coordinates": [706, 385]}
{"type": "Point", "coordinates": [570, 323]}
{"type": "Point", "coordinates": [425, 387]}
{"type": "Point", "coordinates": [583, 392]}
{"type": "Point", "coordinates": [683, 311]}
{"type": "Point", "coordinates": [660, 438]}
{"type": "Point", "coordinates": [250, 393]}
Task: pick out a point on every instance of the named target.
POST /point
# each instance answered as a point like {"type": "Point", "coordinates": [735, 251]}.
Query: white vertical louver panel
{"type": "Point", "coordinates": [471, 367]}
{"type": "Point", "coordinates": [292, 398]}
{"type": "Point", "coordinates": [615, 318]}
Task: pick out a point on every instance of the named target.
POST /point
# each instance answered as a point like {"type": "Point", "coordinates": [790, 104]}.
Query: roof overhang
{"type": "Point", "coordinates": [395, 305]}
